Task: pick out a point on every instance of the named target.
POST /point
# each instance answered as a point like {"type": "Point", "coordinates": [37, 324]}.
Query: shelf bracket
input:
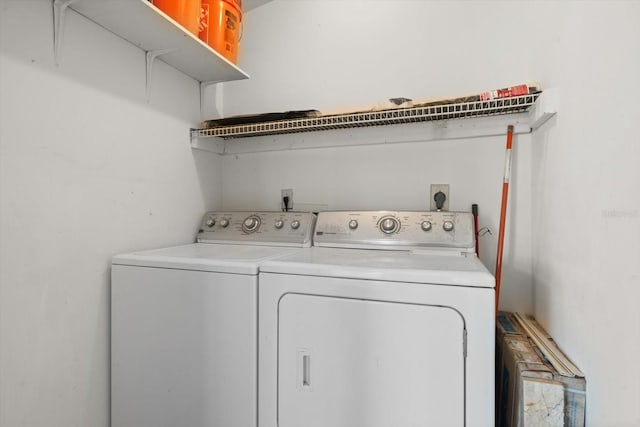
{"type": "Point", "coordinates": [545, 108]}
{"type": "Point", "coordinates": [59, 9]}
{"type": "Point", "coordinates": [203, 87]}
{"type": "Point", "coordinates": [150, 57]}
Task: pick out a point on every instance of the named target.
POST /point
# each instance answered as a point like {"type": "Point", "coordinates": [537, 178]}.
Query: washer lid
{"type": "Point", "coordinates": [393, 266]}
{"type": "Point", "coordinates": [236, 259]}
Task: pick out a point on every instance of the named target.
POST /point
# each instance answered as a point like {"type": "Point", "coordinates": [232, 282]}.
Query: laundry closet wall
{"type": "Point", "coordinates": [88, 169]}
{"type": "Point", "coordinates": [573, 237]}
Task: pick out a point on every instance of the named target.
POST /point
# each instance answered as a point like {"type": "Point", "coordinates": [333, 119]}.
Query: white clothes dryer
{"type": "Point", "coordinates": [184, 322]}
{"type": "Point", "coordinates": [387, 321]}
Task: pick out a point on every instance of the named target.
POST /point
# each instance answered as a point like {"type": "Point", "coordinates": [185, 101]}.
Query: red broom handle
{"type": "Point", "coordinates": [503, 213]}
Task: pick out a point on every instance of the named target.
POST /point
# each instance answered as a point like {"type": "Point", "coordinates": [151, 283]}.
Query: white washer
{"type": "Point", "coordinates": [387, 321]}
{"type": "Point", "coordinates": [184, 322]}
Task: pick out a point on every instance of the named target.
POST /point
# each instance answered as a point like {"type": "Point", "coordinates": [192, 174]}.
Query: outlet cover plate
{"type": "Point", "coordinates": [436, 188]}
{"type": "Point", "coordinates": [286, 192]}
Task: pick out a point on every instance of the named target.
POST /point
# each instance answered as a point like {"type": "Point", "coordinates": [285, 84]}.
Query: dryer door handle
{"type": "Point", "coordinates": [304, 369]}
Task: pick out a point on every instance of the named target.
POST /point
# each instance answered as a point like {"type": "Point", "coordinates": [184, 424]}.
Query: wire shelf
{"type": "Point", "coordinates": [460, 110]}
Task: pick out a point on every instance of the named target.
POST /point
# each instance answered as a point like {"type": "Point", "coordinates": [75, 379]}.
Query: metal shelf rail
{"type": "Point", "coordinates": [445, 111]}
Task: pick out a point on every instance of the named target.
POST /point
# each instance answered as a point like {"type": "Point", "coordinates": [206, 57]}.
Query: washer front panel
{"type": "Point", "coordinates": [183, 348]}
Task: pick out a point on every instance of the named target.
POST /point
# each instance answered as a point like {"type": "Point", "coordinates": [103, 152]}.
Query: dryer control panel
{"type": "Point", "coordinates": [399, 230]}
{"type": "Point", "coordinates": [258, 228]}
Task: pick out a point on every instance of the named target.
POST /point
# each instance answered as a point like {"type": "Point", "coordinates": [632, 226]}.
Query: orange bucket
{"type": "Point", "coordinates": [184, 12]}
{"type": "Point", "coordinates": [220, 26]}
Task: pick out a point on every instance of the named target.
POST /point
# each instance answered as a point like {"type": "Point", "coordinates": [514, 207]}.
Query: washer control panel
{"type": "Point", "coordinates": [395, 229]}
{"type": "Point", "coordinates": [258, 228]}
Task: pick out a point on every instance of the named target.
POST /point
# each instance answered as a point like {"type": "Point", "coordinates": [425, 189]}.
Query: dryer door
{"type": "Point", "coordinates": [349, 363]}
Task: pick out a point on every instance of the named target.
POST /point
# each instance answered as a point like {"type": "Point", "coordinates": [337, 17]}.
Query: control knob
{"type": "Point", "coordinates": [224, 223]}
{"type": "Point", "coordinates": [295, 224]}
{"type": "Point", "coordinates": [251, 224]}
{"type": "Point", "coordinates": [426, 225]}
{"type": "Point", "coordinates": [389, 225]}
{"type": "Point", "coordinates": [353, 224]}
{"type": "Point", "coordinates": [447, 225]}
{"type": "Point", "coordinates": [211, 222]}
{"type": "Point", "coordinates": [279, 224]}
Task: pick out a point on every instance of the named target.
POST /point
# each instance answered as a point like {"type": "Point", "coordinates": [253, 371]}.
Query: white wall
{"type": "Point", "coordinates": [586, 198]}
{"type": "Point", "coordinates": [87, 169]}
{"type": "Point", "coordinates": [574, 202]}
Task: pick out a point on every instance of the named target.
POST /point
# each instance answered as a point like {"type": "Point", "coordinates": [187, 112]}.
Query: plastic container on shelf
{"type": "Point", "coordinates": [184, 12]}
{"type": "Point", "coordinates": [221, 26]}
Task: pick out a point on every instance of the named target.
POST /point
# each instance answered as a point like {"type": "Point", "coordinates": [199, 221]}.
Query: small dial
{"type": "Point", "coordinates": [295, 224]}
{"type": "Point", "coordinates": [426, 225]}
{"type": "Point", "coordinates": [211, 222]}
{"type": "Point", "coordinates": [389, 225]}
{"type": "Point", "coordinates": [447, 225]}
{"type": "Point", "coordinates": [279, 224]}
{"type": "Point", "coordinates": [251, 224]}
{"type": "Point", "coordinates": [224, 223]}
{"type": "Point", "coordinates": [353, 224]}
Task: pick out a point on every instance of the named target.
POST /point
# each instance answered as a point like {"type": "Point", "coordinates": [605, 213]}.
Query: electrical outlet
{"type": "Point", "coordinates": [439, 188]}
{"type": "Point", "coordinates": [286, 193]}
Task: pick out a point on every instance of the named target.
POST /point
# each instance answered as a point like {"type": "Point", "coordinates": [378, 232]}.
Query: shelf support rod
{"type": "Point", "coordinates": [150, 57]}
{"type": "Point", "coordinates": [59, 9]}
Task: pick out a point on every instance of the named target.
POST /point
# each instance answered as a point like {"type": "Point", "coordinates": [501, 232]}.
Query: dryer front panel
{"type": "Point", "coordinates": [346, 362]}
